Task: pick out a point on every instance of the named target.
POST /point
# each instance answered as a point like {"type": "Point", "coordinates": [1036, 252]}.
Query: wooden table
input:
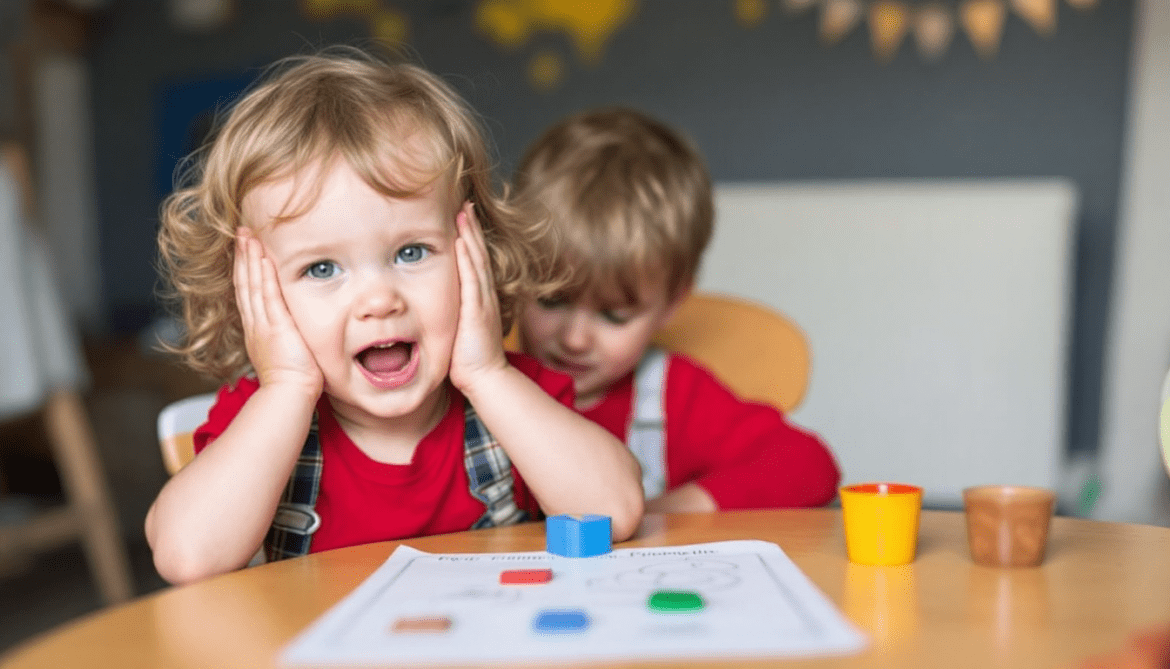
{"type": "Point", "coordinates": [1100, 582]}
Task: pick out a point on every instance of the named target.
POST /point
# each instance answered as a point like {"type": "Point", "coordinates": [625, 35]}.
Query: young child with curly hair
{"type": "Point", "coordinates": [343, 259]}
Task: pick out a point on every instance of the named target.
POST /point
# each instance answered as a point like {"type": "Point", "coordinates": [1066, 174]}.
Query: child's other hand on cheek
{"type": "Point", "coordinates": [479, 348]}
{"type": "Point", "coordinates": [275, 347]}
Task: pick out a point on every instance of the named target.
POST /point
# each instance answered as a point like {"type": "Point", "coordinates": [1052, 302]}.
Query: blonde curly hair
{"type": "Point", "coordinates": [306, 111]}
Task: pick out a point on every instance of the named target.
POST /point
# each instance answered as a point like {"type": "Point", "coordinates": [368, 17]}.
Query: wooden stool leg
{"type": "Point", "coordinates": [75, 450]}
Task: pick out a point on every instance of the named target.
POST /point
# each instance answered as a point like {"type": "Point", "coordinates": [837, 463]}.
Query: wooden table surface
{"type": "Point", "coordinates": [1100, 583]}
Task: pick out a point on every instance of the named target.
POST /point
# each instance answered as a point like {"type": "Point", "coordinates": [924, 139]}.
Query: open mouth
{"type": "Point", "coordinates": [390, 364]}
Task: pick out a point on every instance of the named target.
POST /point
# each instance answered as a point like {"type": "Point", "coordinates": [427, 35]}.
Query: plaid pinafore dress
{"type": "Point", "coordinates": [489, 475]}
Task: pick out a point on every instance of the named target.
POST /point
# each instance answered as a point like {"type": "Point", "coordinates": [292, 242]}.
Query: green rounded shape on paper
{"type": "Point", "coordinates": [675, 601]}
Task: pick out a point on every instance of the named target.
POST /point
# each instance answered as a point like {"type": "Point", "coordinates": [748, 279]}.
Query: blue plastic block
{"type": "Point", "coordinates": [561, 621]}
{"type": "Point", "coordinates": [578, 536]}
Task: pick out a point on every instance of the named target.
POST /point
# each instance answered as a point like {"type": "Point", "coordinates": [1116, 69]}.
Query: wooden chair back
{"type": "Point", "coordinates": [757, 351]}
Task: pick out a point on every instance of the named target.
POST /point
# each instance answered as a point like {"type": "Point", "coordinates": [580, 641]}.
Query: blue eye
{"type": "Point", "coordinates": [553, 302]}
{"type": "Point", "coordinates": [412, 253]}
{"type": "Point", "coordinates": [321, 270]}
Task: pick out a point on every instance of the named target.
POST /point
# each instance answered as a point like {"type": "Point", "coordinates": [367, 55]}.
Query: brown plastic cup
{"type": "Point", "coordinates": [1007, 525]}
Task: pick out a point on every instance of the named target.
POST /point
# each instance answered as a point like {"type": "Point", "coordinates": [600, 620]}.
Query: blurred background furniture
{"type": "Point", "coordinates": [42, 371]}
{"type": "Point", "coordinates": [940, 314]}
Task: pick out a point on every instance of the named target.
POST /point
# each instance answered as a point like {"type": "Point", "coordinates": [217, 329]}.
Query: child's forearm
{"type": "Point", "coordinates": [570, 464]}
{"type": "Point", "coordinates": [213, 514]}
{"type": "Point", "coordinates": [687, 498]}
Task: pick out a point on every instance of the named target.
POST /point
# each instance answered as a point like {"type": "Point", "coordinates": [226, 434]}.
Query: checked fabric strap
{"type": "Point", "coordinates": [296, 518]}
{"type": "Point", "coordinates": [489, 475]}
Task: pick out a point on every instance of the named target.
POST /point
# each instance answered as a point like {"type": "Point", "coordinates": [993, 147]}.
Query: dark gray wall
{"type": "Point", "coordinates": [764, 104]}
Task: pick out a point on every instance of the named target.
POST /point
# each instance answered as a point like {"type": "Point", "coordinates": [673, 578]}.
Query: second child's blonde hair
{"type": "Point", "coordinates": [630, 197]}
{"type": "Point", "coordinates": [306, 112]}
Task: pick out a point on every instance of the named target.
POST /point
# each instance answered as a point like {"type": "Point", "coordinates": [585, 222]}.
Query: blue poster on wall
{"type": "Point", "coordinates": [186, 112]}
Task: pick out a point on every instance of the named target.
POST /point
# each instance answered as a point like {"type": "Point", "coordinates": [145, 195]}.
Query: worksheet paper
{"type": "Point", "coordinates": [756, 603]}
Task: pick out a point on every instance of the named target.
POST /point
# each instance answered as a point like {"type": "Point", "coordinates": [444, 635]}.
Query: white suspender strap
{"type": "Point", "coordinates": [647, 435]}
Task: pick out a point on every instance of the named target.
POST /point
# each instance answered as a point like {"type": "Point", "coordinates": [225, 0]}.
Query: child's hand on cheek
{"type": "Point", "coordinates": [275, 347]}
{"type": "Point", "coordinates": [479, 347]}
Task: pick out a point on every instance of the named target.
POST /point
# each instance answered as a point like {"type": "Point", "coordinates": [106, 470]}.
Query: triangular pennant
{"type": "Point", "coordinates": [838, 17]}
{"type": "Point", "coordinates": [933, 29]}
{"type": "Point", "coordinates": [983, 21]}
{"type": "Point", "coordinates": [749, 13]}
{"type": "Point", "coordinates": [887, 27]}
{"type": "Point", "coordinates": [1040, 14]}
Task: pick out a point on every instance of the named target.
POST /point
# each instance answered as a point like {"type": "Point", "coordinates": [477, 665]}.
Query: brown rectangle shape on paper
{"type": "Point", "coordinates": [422, 624]}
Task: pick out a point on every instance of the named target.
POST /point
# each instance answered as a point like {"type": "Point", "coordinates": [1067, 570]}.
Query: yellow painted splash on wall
{"type": "Point", "coordinates": [588, 23]}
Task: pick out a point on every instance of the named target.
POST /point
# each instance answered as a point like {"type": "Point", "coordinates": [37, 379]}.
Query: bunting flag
{"type": "Point", "coordinates": [887, 26]}
{"type": "Point", "coordinates": [1040, 14]}
{"type": "Point", "coordinates": [838, 18]}
{"type": "Point", "coordinates": [983, 21]}
{"type": "Point", "coordinates": [934, 27]}
{"type": "Point", "coordinates": [589, 24]}
{"type": "Point", "coordinates": [932, 22]}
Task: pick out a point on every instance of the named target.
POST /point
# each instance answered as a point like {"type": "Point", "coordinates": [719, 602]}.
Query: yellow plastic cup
{"type": "Point", "coordinates": [881, 522]}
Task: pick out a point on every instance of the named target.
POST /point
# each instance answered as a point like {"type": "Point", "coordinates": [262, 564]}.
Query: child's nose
{"type": "Point", "coordinates": [379, 297]}
{"type": "Point", "coordinates": [576, 334]}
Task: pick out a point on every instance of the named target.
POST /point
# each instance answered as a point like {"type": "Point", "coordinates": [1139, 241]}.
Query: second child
{"type": "Point", "coordinates": [633, 203]}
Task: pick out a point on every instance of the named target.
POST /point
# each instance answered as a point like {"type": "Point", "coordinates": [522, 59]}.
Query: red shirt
{"type": "Point", "coordinates": [362, 501]}
{"type": "Point", "coordinates": [744, 454]}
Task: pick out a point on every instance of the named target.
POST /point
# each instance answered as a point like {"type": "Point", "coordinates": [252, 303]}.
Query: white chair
{"type": "Point", "coordinates": [177, 423]}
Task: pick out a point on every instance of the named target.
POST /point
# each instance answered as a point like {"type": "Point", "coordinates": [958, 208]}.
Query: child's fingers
{"type": "Point", "coordinates": [473, 226]}
{"type": "Point", "coordinates": [245, 286]}
{"type": "Point", "coordinates": [275, 310]}
{"type": "Point", "coordinates": [256, 283]}
{"type": "Point", "coordinates": [240, 278]}
{"type": "Point", "coordinates": [476, 249]}
{"type": "Point", "coordinates": [469, 293]}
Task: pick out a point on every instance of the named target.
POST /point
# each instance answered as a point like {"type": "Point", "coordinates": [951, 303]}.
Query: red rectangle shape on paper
{"type": "Point", "coordinates": [525, 576]}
